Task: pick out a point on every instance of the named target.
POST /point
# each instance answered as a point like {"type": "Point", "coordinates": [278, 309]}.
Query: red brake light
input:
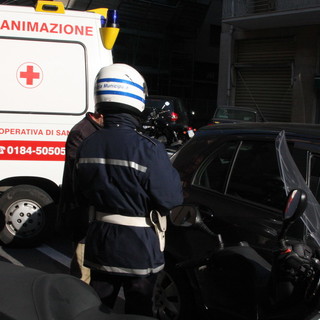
{"type": "Point", "coordinates": [174, 116]}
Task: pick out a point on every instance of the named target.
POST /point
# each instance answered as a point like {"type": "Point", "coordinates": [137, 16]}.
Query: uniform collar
{"type": "Point", "coordinates": [120, 119]}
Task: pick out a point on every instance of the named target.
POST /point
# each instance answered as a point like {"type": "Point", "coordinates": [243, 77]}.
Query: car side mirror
{"type": "Point", "coordinates": [184, 216]}
{"type": "Point", "coordinates": [188, 215]}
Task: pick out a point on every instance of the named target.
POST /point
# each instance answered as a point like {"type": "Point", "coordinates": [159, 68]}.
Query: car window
{"type": "Point", "coordinates": [158, 106]}
{"type": "Point", "coordinates": [309, 166]}
{"type": "Point", "coordinates": [213, 174]}
{"type": "Point", "coordinates": [190, 158]}
{"type": "Point", "coordinates": [300, 158]}
{"type": "Point", "coordinates": [256, 175]}
{"type": "Point", "coordinates": [315, 176]}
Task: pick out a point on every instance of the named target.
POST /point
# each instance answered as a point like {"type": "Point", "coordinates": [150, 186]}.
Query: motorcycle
{"type": "Point", "coordinates": [158, 125]}
{"type": "Point", "coordinates": [238, 283]}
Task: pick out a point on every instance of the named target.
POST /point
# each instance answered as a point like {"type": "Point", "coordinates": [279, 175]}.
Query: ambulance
{"type": "Point", "coordinates": [49, 58]}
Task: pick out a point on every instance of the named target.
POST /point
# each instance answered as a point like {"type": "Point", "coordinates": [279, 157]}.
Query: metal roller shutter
{"type": "Point", "coordinates": [263, 76]}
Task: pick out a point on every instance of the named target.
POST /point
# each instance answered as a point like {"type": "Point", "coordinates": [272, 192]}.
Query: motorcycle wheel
{"type": "Point", "coordinates": [173, 297]}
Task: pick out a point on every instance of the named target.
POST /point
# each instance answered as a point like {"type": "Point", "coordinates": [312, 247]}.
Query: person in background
{"type": "Point", "coordinates": [72, 218]}
{"type": "Point", "coordinates": [129, 180]}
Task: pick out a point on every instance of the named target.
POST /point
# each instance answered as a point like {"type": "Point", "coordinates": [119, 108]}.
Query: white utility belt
{"type": "Point", "coordinates": [156, 220]}
{"type": "Point", "coordinates": [123, 220]}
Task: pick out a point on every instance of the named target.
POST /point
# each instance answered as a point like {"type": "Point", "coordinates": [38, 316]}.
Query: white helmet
{"type": "Point", "coordinates": [120, 88]}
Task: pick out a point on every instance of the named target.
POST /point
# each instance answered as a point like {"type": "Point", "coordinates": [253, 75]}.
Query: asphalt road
{"type": "Point", "coordinates": [53, 256]}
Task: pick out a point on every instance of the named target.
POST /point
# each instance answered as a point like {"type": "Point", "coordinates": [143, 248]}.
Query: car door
{"type": "Point", "coordinates": [235, 181]}
{"type": "Point", "coordinates": [239, 184]}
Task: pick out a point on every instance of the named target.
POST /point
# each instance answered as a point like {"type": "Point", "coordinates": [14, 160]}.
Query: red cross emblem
{"type": "Point", "coordinates": [29, 75]}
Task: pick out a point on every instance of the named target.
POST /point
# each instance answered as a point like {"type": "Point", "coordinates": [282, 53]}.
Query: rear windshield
{"type": "Point", "coordinates": [234, 114]}
{"type": "Point", "coordinates": [160, 104]}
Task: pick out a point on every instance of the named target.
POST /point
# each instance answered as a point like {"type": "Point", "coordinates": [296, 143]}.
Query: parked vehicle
{"type": "Point", "coordinates": [238, 177]}
{"type": "Point", "coordinates": [165, 119]}
{"type": "Point", "coordinates": [227, 114]}
{"type": "Point", "coordinates": [49, 60]}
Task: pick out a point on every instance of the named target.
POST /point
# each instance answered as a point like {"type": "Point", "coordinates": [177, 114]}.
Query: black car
{"type": "Point", "coordinates": [231, 174]}
{"type": "Point", "coordinates": [227, 114]}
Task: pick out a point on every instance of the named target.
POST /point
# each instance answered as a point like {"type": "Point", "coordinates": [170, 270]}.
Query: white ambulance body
{"type": "Point", "coordinates": [48, 64]}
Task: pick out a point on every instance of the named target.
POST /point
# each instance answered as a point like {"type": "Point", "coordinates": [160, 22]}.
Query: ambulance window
{"type": "Point", "coordinates": [49, 77]}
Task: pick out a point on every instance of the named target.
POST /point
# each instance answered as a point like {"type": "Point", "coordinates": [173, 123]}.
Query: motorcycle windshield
{"type": "Point", "coordinates": [293, 179]}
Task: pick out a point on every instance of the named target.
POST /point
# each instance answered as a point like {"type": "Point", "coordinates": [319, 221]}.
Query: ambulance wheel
{"type": "Point", "coordinates": [27, 216]}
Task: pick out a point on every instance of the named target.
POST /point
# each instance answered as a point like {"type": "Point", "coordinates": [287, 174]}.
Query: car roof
{"type": "Point", "coordinates": [158, 97]}
{"type": "Point", "coordinates": [302, 129]}
{"type": "Point", "coordinates": [152, 96]}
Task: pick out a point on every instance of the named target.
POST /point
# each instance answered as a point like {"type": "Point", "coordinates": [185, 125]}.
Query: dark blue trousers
{"type": "Point", "coordinates": [137, 291]}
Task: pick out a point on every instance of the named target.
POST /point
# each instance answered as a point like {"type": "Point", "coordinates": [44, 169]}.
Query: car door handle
{"type": "Point", "coordinates": [207, 212]}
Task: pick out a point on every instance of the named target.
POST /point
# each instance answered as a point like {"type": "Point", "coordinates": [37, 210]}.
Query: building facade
{"type": "Point", "coordinates": [269, 58]}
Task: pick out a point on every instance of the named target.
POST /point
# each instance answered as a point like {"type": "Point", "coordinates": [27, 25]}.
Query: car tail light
{"type": "Point", "coordinates": [190, 132]}
{"type": "Point", "coordinates": [174, 116]}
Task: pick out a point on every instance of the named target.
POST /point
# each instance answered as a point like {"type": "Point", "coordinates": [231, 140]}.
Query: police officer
{"type": "Point", "coordinates": [125, 176]}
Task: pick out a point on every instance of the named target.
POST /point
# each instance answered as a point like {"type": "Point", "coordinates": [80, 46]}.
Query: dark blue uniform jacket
{"type": "Point", "coordinates": [121, 171]}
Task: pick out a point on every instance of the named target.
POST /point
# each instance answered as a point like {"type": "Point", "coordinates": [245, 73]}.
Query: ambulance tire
{"type": "Point", "coordinates": [27, 216]}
